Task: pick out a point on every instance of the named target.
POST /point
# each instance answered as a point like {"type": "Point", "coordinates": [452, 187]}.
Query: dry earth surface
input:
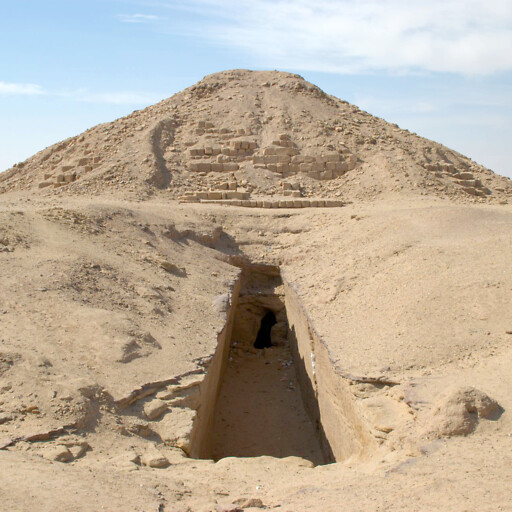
{"type": "Point", "coordinates": [138, 259]}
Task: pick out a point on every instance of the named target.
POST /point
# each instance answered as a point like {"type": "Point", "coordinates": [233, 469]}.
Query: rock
{"type": "Point", "coordinates": [249, 503]}
{"type": "Point", "coordinates": [457, 412]}
{"type": "Point", "coordinates": [79, 449]}
{"type": "Point", "coordinates": [220, 303]}
{"type": "Point", "coordinates": [4, 418]}
{"type": "Point", "coordinates": [154, 409]}
{"type": "Point", "coordinates": [57, 453]}
{"type": "Point", "coordinates": [154, 459]}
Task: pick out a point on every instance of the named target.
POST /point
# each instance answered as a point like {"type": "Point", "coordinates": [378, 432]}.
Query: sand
{"type": "Point", "coordinates": [130, 302]}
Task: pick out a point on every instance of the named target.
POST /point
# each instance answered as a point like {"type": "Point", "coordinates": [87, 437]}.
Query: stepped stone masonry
{"type": "Point", "coordinates": [65, 174]}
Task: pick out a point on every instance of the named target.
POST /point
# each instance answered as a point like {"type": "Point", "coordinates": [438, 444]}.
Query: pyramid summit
{"type": "Point", "coordinates": [253, 135]}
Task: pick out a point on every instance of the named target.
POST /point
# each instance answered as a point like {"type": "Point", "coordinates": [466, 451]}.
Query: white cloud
{"type": "Point", "coordinates": [24, 89]}
{"type": "Point", "coordinates": [111, 97]}
{"type": "Point", "coordinates": [119, 98]}
{"type": "Point", "coordinates": [137, 18]}
{"type": "Point", "coordinates": [471, 37]}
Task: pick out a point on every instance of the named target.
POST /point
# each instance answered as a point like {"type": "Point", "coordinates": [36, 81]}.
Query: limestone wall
{"type": "Point", "coordinates": [326, 394]}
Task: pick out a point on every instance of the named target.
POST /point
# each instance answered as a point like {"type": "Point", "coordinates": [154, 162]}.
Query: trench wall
{"type": "Point", "coordinates": [201, 436]}
{"type": "Point", "coordinates": [326, 394]}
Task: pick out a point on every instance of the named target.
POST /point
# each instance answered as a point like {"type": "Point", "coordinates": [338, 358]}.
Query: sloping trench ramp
{"type": "Point", "coordinates": [271, 388]}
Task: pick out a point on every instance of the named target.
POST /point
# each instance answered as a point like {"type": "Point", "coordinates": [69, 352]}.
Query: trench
{"type": "Point", "coordinates": [271, 388]}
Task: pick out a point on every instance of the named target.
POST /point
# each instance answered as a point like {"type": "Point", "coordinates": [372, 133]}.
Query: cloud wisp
{"type": "Point", "coordinates": [469, 37]}
{"type": "Point", "coordinates": [21, 89]}
{"type": "Point", "coordinates": [110, 97]}
{"type": "Point", "coordinates": [138, 18]}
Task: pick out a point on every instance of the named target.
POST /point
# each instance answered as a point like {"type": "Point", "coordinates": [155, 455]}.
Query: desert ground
{"type": "Point", "coordinates": [138, 259]}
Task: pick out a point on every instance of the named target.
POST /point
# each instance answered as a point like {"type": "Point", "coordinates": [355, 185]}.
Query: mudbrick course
{"type": "Point", "coordinates": [254, 295]}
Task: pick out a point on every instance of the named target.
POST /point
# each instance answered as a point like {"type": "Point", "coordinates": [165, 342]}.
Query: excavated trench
{"type": "Point", "coordinates": [271, 388]}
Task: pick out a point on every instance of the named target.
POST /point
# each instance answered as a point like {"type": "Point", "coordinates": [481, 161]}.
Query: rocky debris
{"type": "Point", "coordinates": [155, 408]}
{"type": "Point", "coordinates": [457, 412]}
{"type": "Point", "coordinates": [249, 503]}
{"type": "Point", "coordinates": [57, 453]}
{"type": "Point", "coordinates": [203, 147]}
{"type": "Point", "coordinates": [4, 418]}
{"type": "Point", "coordinates": [154, 459]}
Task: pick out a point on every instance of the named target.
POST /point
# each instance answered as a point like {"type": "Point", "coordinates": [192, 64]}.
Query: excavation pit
{"type": "Point", "coordinates": [271, 388]}
{"type": "Point", "coordinates": [260, 410]}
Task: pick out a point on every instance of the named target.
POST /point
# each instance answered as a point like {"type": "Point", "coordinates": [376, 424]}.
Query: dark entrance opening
{"type": "Point", "coordinates": [263, 338]}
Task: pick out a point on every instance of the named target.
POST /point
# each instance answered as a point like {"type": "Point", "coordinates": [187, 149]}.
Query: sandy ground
{"type": "Point", "coordinates": [115, 298]}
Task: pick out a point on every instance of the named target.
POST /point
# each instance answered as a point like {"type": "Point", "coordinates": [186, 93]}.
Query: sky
{"type": "Point", "coordinates": [439, 68]}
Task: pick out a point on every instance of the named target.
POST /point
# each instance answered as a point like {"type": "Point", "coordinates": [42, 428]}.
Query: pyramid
{"type": "Point", "coordinates": [256, 135]}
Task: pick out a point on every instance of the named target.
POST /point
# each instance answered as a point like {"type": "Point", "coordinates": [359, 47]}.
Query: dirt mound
{"type": "Point", "coordinates": [250, 134]}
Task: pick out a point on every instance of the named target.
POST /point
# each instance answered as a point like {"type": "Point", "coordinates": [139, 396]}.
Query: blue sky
{"type": "Point", "coordinates": [440, 68]}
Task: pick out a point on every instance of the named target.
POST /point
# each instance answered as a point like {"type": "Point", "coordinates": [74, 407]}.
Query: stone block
{"type": "Point", "coordinates": [315, 175]}
{"type": "Point", "coordinates": [154, 409]}
{"type": "Point", "coordinates": [226, 151]}
{"type": "Point", "coordinates": [292, 151]}
{"type": "Point", "coordinates": [233, 194]}
{"type": "Point", "coordinates": [69, 178]}
{"type": "Point", "coordinates": [309, 159]}
{"type": "Point", "coordinates": [253, 145]}
{"type": "Point", "coordinates": [44, 184]}
{"type": "Point", "coordinates": [465, 176]}
{"type": "Point", "coordinates": [217, 167]}
{"type": "Point", "coordinates": [267, 204]}
{"type": "Point", "coordinates": [202, 195]}
{"type": "Point", "coordinates": [295, 193]}
{"type": "Point", "coordinates": [208, 125]}
{"type": "Point", "coordinates": [208, 150]}
{"type": "Point", "coordinates": [317, 167]}
{"type": "Point", "coordinates": [282, 167]}
{"type": "Point", "coordinates": [331, 157]}
{"type": "Point", "coordinates": [297, 204]}
{"type": "Point", "coordinates": [66, 168]}
{"type": "Point", "coordinates": [203, 166]}
{"type": "Point", "coordinates": [283, 159]}
{"type": "Point", "coordinates": [236, 144]}
{"type": "Point", "coordinates": [326, 175]}
{"type": "Point", "coordinates": [258, 159]}
{"type": "Point", "coordinates": [232, 185]}
{"type": "Point", "coordinates": [282, 151]}
{"type": "Point", "coordinates": [305, 167]}
{"type": "Point", "coordinates": [231, 166]}
{"type": "Point", "coordinates": [97, 159]}
{"type": "Point", "coordinates": [48, 176]}
{"type": "Point", "coordinates": [212, 194]}
{"type": "Point", "coordinates": [330, 166]}
{"type": "Point", "coordinates": [272, 167]}
{"type": "Point", "coordinates": [269, 151]}
{"type": "Point", "coordinates": [271, 159]}
{"type": "Point", "coordinates": [284, 136]}
{"type": "Point", "coordinates": [306, 203]}
{"type": "Point", "coordinates": [297, 159]}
